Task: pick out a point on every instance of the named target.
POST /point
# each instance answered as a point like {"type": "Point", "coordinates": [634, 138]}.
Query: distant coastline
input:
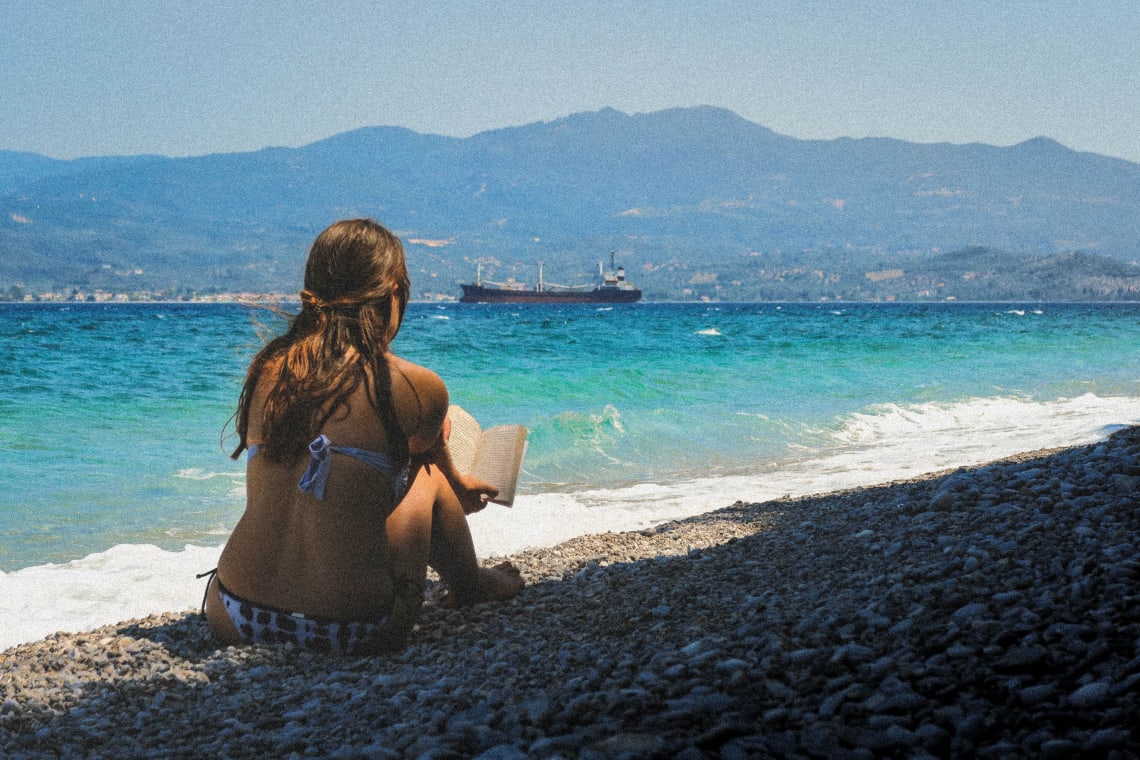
{"type": "Point", "coordinates": [290, 299]}
{"type": "Point", "coordinates": [72, 295]}
{"type": "Point", "coordinates": [754, 217]}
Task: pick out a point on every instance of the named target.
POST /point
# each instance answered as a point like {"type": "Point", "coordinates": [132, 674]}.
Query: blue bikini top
{"type": "Point", "coordinates": [320, 462]}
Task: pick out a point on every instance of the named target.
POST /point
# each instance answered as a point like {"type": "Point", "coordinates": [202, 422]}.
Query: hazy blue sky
{"type": "Point", "coordinates": [180, 78]}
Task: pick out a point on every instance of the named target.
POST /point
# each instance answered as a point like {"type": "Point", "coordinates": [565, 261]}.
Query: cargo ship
{"type": "Point", "coordinates": [612, 287]}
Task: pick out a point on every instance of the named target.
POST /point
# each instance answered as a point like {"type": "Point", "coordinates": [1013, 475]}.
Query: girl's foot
{"type": "Point", "coordinates": [502, 581]}
{"type": "Point", "coordinates": [494, 585]}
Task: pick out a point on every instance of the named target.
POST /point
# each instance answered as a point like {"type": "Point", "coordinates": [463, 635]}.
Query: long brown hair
{"type": "Point", "coordinates": [355, 273]}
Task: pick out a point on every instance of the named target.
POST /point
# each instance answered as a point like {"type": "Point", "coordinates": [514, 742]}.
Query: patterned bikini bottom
{"type": "Point", "coordinates": [259, 624]}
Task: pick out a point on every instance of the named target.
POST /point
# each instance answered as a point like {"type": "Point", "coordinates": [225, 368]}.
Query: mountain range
{"type": "Point", "coordinates": [694, 202]}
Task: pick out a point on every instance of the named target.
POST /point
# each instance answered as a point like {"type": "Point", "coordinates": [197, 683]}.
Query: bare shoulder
{"type": "Point", "coordinates": [421, 401]}
{"type": "Point", "coordinates": [420, 379]}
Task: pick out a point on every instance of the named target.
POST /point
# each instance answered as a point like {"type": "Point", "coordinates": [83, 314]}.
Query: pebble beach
{"type": "Point", "coordinates": [991, 611]}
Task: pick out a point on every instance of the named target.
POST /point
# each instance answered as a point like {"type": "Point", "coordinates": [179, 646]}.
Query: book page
{"type": "Point", "coordinates": [494, 455]}
{"type": "Point", "coordinates": [464, 439]}
{"type": "Point", "coordinates": [499, 460]}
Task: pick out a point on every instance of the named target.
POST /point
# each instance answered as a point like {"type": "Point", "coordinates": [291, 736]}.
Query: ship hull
{"type": "Point", "coordinates": [480, 294]}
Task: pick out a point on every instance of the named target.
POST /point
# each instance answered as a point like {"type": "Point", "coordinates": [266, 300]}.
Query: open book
{"type": "Point", "coordinates": [494, 455]}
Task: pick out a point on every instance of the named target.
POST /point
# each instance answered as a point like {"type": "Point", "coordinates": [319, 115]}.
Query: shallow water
{"type": "Point", "coordinates": [112, 416]}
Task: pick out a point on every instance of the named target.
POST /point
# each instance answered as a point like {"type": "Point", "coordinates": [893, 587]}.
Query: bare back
{"type": "Point", "coordinates": [329, 557]}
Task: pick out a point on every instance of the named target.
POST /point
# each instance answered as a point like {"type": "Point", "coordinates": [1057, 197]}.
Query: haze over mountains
{"type": "Point", "coordinates": [695, 202]}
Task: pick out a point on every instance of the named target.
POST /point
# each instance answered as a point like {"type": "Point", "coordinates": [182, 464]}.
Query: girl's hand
{"type": "Point", "coordinates": [474, 493]}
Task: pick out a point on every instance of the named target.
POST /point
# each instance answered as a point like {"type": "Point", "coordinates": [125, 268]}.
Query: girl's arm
{"type": "Point", "coordinates": [473, 493]}
{"type": "Point", "coordinates": [427, 444]}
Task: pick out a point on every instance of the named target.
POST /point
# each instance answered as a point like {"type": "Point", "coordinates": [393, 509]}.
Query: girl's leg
{"type": "Point", "coordinates": [409, 532]}
{"type": "Point", "coordinates": [453, 557]}
{"type": "Point", "coordinates": [429, 528]}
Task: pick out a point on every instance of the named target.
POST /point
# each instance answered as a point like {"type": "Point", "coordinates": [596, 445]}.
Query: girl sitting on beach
{"type": "Point", "coordinates": [351, 492]}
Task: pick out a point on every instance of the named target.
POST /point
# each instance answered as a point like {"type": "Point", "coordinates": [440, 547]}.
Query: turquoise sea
{"type": "Point", "coordinates": [115, 484]}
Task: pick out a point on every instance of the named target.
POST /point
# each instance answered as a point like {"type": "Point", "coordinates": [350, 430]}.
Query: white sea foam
{"type": "Point", "coordinates": [890, 443]}
{"type": "Point", "coordinates": [124, 582]}
{"type": "Point", "coordinates": [199, 473]}
{"type": "Point", "coordinates": [885, 443]}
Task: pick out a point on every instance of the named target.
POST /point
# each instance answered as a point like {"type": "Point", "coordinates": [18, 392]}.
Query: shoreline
{"type": "Point", "coordinates": [989, 610]}
{"type": "Point", "coordinates": [277, 299]}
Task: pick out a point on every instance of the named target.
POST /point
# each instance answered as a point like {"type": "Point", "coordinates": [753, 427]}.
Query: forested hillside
{"type": "Point", "coordinates": [696, 203]}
